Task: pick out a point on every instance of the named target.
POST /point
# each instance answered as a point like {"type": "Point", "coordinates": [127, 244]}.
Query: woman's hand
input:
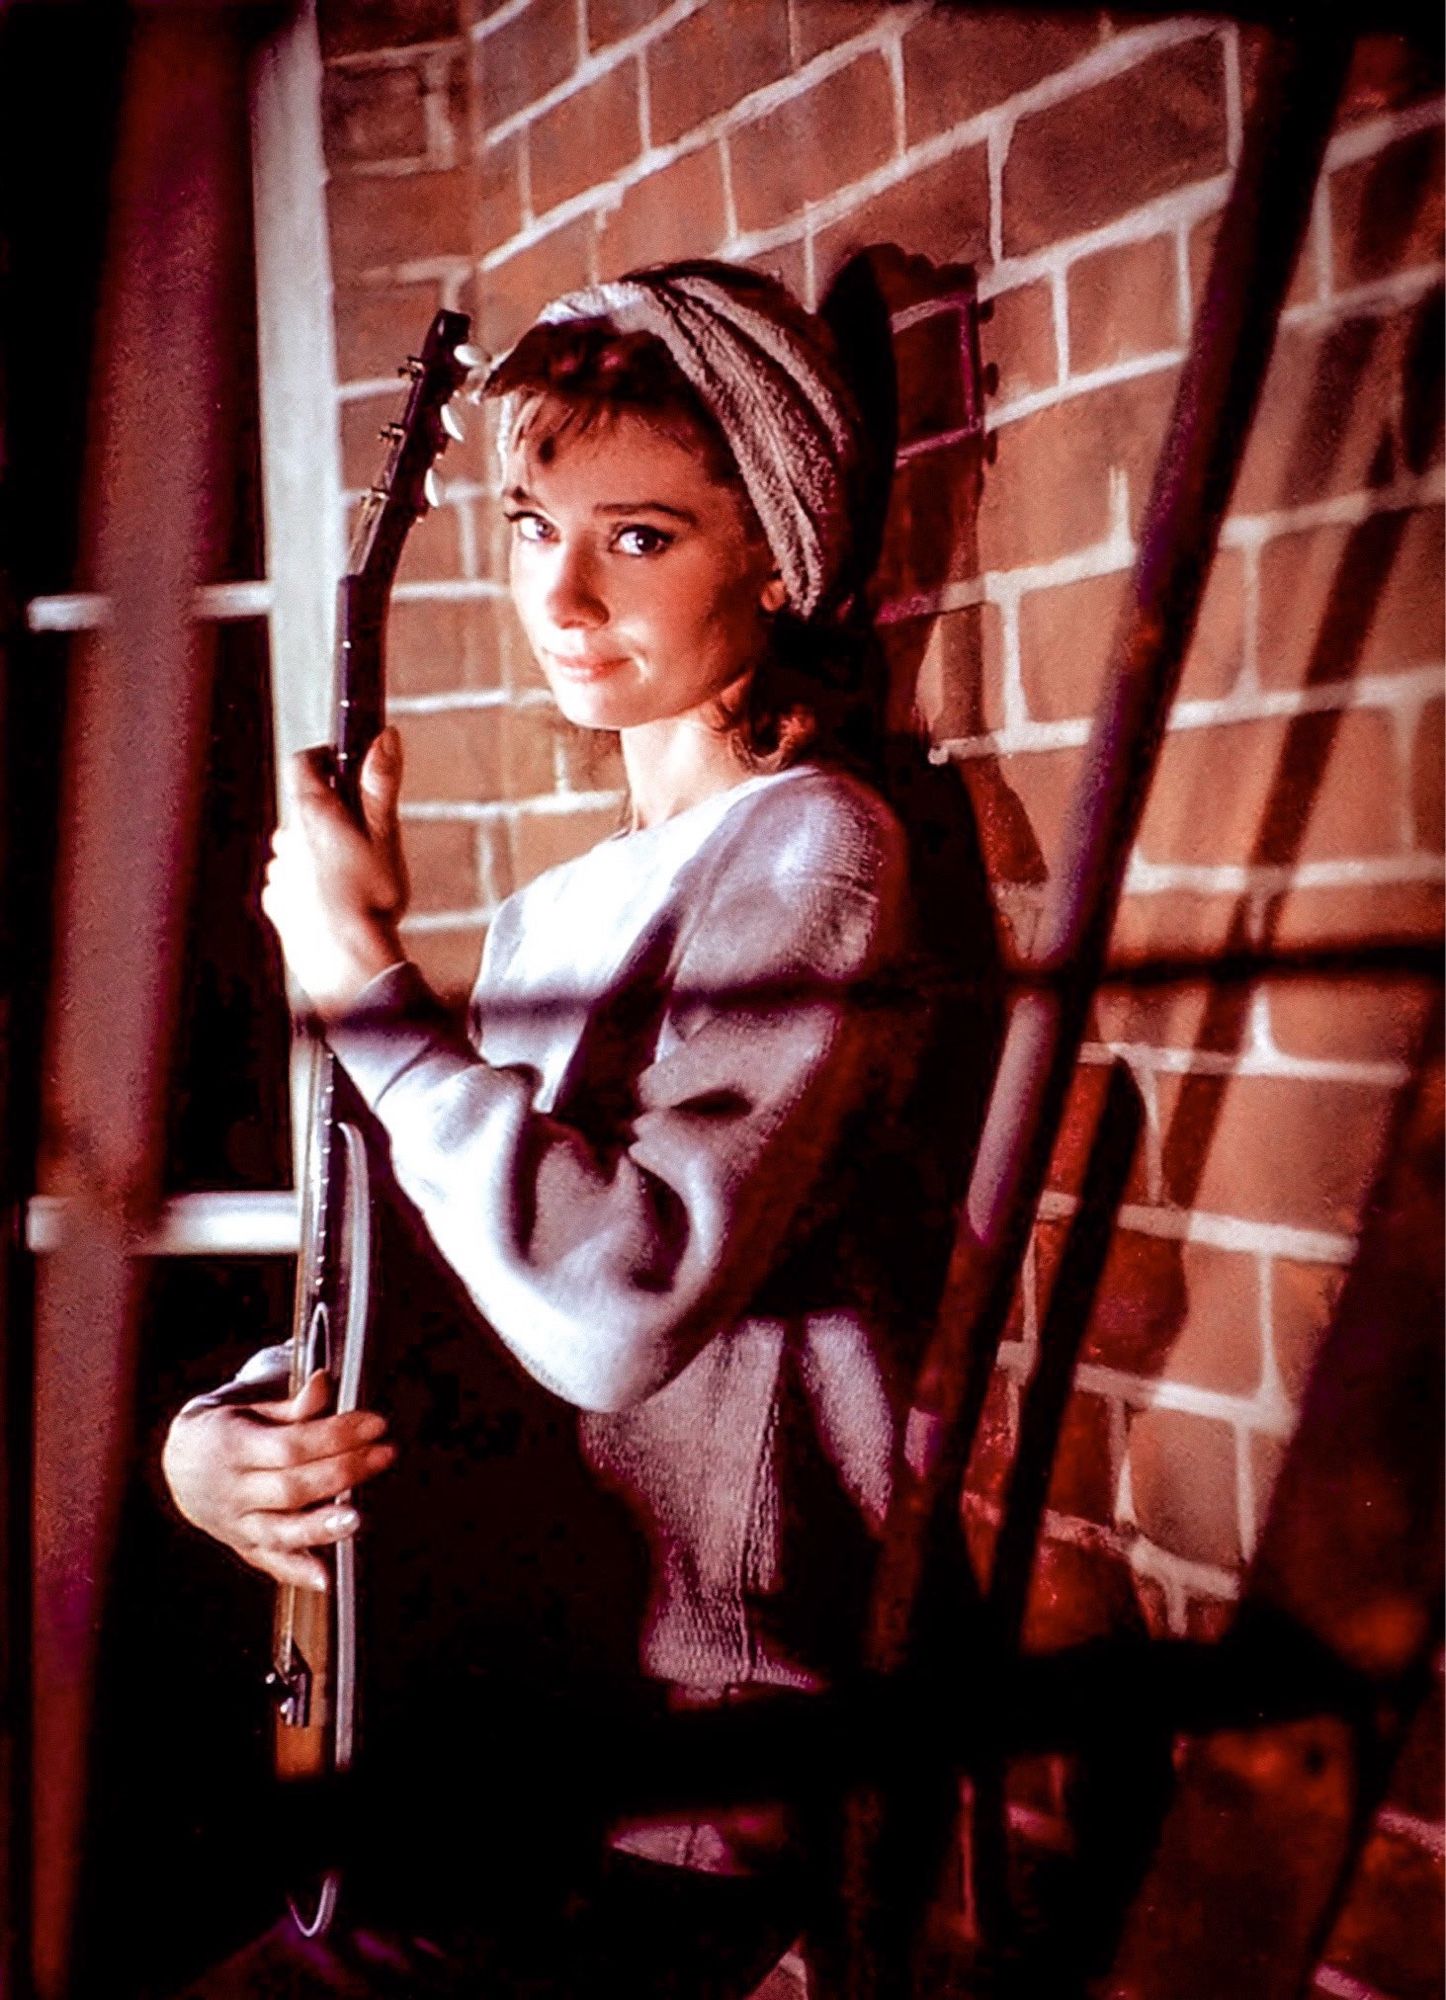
{"type": "Point", "coordinates": [263, 1477]}
{"type": "Point", "coordinates": [336, 891]}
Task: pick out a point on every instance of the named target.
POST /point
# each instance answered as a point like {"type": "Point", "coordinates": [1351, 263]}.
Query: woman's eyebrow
{"type": "Point", "coordinates": [647, 507]}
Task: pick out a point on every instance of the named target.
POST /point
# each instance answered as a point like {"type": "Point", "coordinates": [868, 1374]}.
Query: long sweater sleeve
{"type": "Point", "coordinates": [607, 1220]}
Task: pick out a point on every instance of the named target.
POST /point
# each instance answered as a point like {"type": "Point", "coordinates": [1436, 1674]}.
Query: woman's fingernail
{"type": "Point", "coordinates": [343, 1521]}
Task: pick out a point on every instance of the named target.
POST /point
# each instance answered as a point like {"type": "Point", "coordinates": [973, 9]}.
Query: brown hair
{"type": "Point", "coordinates": [817, 690]}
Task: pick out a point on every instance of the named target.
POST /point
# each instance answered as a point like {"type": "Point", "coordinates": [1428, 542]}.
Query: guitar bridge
{"type": "Point", "coordinates": [291, 1690]}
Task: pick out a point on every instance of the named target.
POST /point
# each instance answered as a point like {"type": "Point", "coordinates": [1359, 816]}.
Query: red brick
{"type": "Point", "coordinates": [1389, 71]}
{"type": "Point", "coordinates": [1175, 923]}
{"type": "Point", "coordinates": [1123, 303]}
{"type": "Point", "coordinates": [1066, 1171]}
{"type": "Point", "coordinates": [1182, 1483]}
{"type": "Point", "coordinates": [529, 765]}
{"type": "Point", "coordinates": [930, 363]}
{"type": "Point", "coordinates": [363, 452]}
{"type": "Point", "coordinates": [426, 646]}
{"type": "Point", "coordinates": [1081, 1481]}
{"type": "Point", "coordinates": [1416, 1782]}
{"type": "Point", "coordinates": [495, 854]}
{"type": "Point", "coordinates": [586, 138]}
{"type": "Point", "coordinates": [1389, 1933]}
{"type": "Point", "coordinates": [1303, 283]}
{"type": "Point", "coordinates": [1290, 1150]}
{"type": "Point", "coordinates": [398, 219]}
{"type": "Point", "coordinates": [927, 536]}
{"type": "Point", "coordinates": [940, 213]}
{"type": "Point", "coordinates": [1427, 758]}
{"type": "Point", "coordinates": [958, 63]}
{"type": "Point", "coordinates": [436, 645]}
{"type": "Point", "coordinates": [452, 756]}
{"type": "Point", "coordinates": [1337, 601]}
{"type": "Point", "coordinates": [1185, 1016]}
{"type": "Point", "coordinates": [1208, 1619]}
{"type": "Point", "coordinates": [785, 261]}
{"type": "Point", "coordinates": [378, 326]}
{"type": "Point", "coordinates": [711, 61]}
{"type": "Point", "coordinates": [1323, 786]}
{"type": "Point", "coordinates": [1352, 407]}
{"type": "Point", "coordinates": [373, 114]}
{"type": "Point", "coordinates": [1075, 1595]}
{"type": "Point", "coordinates": [993, 1452]}
{"type": "Point", "coordinates": [433, 553]}
{"type": "Point", "coordinates": [1020, 805]}
{"type": "Point", "coordinates": [525, 58]}
{"type": "Point", "coordinates": [947, 671]}
{"type": "Point", "coordinates": [1080, 163]}
{"type": "Point", "coordinates": [1310, 917]}
{"type": "Point", "coordinates": [348, 29]}
{"type": "Point", "coordinates": [1182, 1311]}
{"type": "Point", "coordinates": [609, 20]}
{"type": "Point", "coordinates": [448, 959]}
{"type": "Point", "coordinates": [676, 212]}
{"type": "Point", "coordinates": [1047, 493]}
{"type": "Point", "coordinates": [1303, 1300]}
{"type": "Point", "coordinates": [499, 194]}
{"type": "Point", "coordinates": [511, 294]}
{"type": "Point", "coordinates": [442, 862]}
{"type": "Point", "coordinates": [1066, 634]}
{"type": "Point", "coordinates": [543, 840]}
{"type": "Point", "coordinates": [1018, 341]}
{"type": "Point", "coordinates": [1386, 211]}
{"type": "Point", "coordinates": [822, 139]}
{"type": "Point", "coordinates": [1348, 1020]}
{"type": "Point", "coordinates": [822, 24]}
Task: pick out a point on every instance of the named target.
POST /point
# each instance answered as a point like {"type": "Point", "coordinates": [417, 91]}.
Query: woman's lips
{"type": "Point", "coordinates": [585, 668]}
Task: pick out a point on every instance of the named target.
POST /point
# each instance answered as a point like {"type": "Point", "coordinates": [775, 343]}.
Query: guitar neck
{"type": "Point", "coordinates": [360, 679]}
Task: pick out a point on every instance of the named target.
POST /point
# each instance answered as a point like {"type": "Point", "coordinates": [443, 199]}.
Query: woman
{"type": "Point", "coordinates": [675, 1165]}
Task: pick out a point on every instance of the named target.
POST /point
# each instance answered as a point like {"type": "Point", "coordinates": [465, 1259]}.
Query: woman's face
{"type": "Point", "coordinates": [641, 583]}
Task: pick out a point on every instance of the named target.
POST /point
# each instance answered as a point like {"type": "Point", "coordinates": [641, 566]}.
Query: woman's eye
{"type": "Point", "coordinates": [530, 527]}
{"type": "Point", "coordinates": [640, 541]}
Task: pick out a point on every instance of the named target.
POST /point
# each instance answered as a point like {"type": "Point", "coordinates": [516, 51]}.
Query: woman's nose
{"type": "Point", "coordinates": [574, 599]}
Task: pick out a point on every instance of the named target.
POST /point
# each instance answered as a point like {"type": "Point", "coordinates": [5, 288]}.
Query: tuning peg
{"type": "Point", "coordinates": [452, 423]}
{"type": "Point", "coordinates": [469, 356]}
{"type": "Point", "coordinates": [432, 487]}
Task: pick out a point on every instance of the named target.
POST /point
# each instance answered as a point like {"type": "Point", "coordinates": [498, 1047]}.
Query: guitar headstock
{"type": "Point", "coordinates": [406, 487]}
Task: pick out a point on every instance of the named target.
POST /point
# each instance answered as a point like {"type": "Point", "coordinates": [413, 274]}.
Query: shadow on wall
{"type": "Point", "coordinates": [929, 538]}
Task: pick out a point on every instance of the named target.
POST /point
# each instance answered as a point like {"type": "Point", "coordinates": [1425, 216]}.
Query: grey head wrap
{"type": "Point", "coordinates": [761, 365]}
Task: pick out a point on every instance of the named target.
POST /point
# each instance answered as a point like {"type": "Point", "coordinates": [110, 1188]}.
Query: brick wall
{"type": "Point", "coordinates": [1078, 162]}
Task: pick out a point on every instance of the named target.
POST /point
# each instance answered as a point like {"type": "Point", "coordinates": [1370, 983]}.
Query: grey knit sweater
{"type": "Point", "coordinates": [669, 1166]}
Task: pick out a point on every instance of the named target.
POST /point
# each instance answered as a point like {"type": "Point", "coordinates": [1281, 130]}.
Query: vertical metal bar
{"type": "Point", "coordinates": [134, 758]}
{"type": "Point", "coordinates": [1254, 254]}
{"type": "Point", "coordinates": [1255, 251]}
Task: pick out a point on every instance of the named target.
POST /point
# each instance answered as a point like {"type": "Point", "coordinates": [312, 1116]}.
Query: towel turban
{"type": "Point", "coordinates": [762, 366]}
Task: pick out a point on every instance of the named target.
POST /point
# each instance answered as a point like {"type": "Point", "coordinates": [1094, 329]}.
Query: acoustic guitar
{"type": "Point", "coordinates": [313, 1674]}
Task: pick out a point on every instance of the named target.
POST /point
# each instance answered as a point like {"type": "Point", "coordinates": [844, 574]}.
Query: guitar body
{"type": "Point", "coordinates": [314, 1662]}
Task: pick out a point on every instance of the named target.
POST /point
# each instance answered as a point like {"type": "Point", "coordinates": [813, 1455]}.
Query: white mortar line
{"type": "Point", "coordinates": [448, 590]}
{"type": "Point", "coordinates": [540, 805]}
{"type": "Point", "coordinates": [1160, 1059]}
{"type": "Point", "coordinates": [421, 923]}
{"type": "Point", "coordinates": [1425, 1833]}
{"type": "Point", "coordinates": [1345, 510]}
{"type": "Point", "coordinates": [1162, 1566]}
{"type": "Point", "coordinates": [1217, 1232]}
{"type": "Point", "coordinates": [1003, 414]}
{"type": "Point", "coordinates": [403, 57]}
{"type": "Point", "coordinates": [1373, 135]}
{"type": "Point", "coordinates": [1340, 1985]}
{"type": "Point", "coordinates": [1374, 301]}
{"type": "Point", "coordinates": [1144, 878]}
{"type": "Point", "coordinates": [1234, 113]}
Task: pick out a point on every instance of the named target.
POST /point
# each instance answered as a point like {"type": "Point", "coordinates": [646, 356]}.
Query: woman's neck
{"type": "Point", "coordinates": [675, 763]}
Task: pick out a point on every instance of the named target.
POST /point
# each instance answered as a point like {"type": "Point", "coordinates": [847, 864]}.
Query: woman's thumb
{"type": "Point", "coordinates": [381, 782]}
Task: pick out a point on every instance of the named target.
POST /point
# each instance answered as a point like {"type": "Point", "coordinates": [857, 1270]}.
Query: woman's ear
{"type": "Point", "coordinates": [773, 595]}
